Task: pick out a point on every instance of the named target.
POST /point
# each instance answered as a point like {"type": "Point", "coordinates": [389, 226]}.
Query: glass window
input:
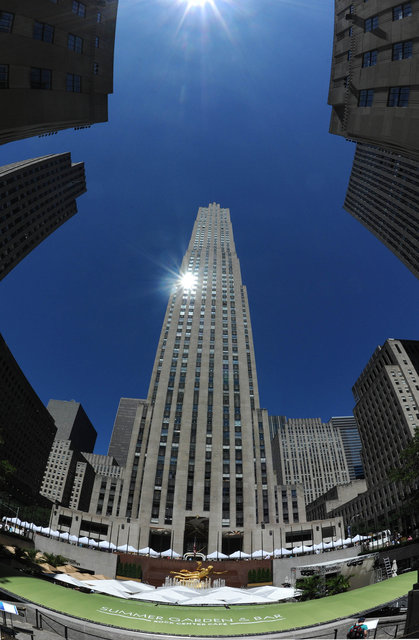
{"type": "Point", "coordinates": [4, 76]}
{"type": "Point", "coordinates": [398, 97]}
{"type": "Point", "coordinates": [371, 23]}
{"type": "Point", "coordinates": [370, 58]}
{"type": "Point", "coordinates": [366, 97]}
{"type": "Point", "coordinates": [75, 43]}
{"type": "Point", "coordinates": [79, 8]}
{"type": "Point", "coordinates": [6, 21]}
{"type": "Point", "coordinates": [73, 83]}
{"type": "Point", "coordinates": [402, 11]}
{"type": "Point", "coordinates": [41, 78]}
{"type": "Point", "coordinates": [43, 31]}
{"type": "Point", "coordinates": [402, 50]}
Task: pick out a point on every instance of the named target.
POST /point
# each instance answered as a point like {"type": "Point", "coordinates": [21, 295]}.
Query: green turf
{"type": "Point", "coordinates": [201, 621]}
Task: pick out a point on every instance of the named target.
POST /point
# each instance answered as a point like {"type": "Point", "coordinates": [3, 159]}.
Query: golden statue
{"type": "Point", "coordinates": [200, 573]}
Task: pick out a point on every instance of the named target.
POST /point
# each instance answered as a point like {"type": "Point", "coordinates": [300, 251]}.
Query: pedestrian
{"type": "Point", "coordinates": [358, 630]}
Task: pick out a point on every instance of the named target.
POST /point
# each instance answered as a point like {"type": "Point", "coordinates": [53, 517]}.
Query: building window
{"type": "Point", "coordinates": [97, 42]}
{"type": "Point", "coordinates": [366, 97]}
{"type": "Point", "coordinates": [40, 78]}
{"type": "Point", "coordinates": [371, 23]}
{"type": "Point", "coordinates": [6, 21]}
{"type": "Point", "coordinates": [79, 8]}
{"type": "Point", "coordinates": [370, 58]}
{"type": "Point", "coordinates": [75, 43]}
{"type": "Point", "coordinates": [398, 97]}
{"type": "Point", "coordinates": [43, 31]}
{"type": "Point", "coordinates": [402, 11]}
{"type": "Point", "coordinates": [402, 50]}
{"type": "Point", "coordinates": [73, 83]}
{"type": "Point", "coordinates": [95, 68]}
{"type": "Point", "coordinates": [99, 17]}
{"type": "Point", "coordinates": [4, 76]}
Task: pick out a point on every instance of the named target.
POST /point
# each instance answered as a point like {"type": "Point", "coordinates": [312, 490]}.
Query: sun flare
{"type": "Point", "coordinates": [187, 280]}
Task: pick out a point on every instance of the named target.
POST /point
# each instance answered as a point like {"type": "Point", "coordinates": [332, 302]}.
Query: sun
{"type": "Point", "coordinates": [196, 3]}
{"type": "Point", "coordinates": [187, 280]}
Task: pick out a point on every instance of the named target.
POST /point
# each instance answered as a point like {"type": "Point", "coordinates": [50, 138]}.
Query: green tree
{"type": "Point", "coordinates": [408, 474]}
{"type": "Point", "coordinates": [311, 587]}
{"type": "Point", "coordinates": [55, 560]}
{"type": "Point", "coordinates": [337, 584]}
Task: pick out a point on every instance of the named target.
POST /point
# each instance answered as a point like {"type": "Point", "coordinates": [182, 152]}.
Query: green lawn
{"type": "Point", "coordinates": [201, 621]}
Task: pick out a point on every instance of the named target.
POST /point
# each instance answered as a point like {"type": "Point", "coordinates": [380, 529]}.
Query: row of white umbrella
{"type": "Point", "coordinates": [105, 545]}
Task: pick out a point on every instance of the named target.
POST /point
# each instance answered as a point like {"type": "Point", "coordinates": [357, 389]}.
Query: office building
{"type": "Point", "coordinates": [56, 65]}
{"type": "Point", "coordinates": [199, 470]}
{"type": "Point", "coordinates": [374, 92]}
{"type": "Point", "coordinates": [352, 444]}
{"type": "Point", "coordinates": [67, 480]}
{"type": "Point", "coordinates": [73, 424]}
{"type": "Point", "coordinates": [36, 197]}
{"type": "Point", "coordinates": [383, 194]}
{"type": "Point", "coordinates": [27, 430]}
{"type": "Point", "coordinates": [387, 414]}
{"type": "Point", "coordinates": [309, 452]}
{"type": "Point", "coordinates": [123, 427]}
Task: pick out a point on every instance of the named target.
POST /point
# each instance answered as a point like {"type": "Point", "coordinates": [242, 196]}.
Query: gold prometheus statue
{"type": "Point", "coordinates": [200, 573]}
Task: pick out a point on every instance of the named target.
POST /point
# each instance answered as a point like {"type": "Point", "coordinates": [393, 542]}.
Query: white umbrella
{"type": "Point", "coordinates": [106, 545]}
{"type": "Point", "coordinates": [260, 553]}
{"type": "Point", "coordinates": [54, 534]}
{"type": "Point", "coordinates": [307, 548]}
{"type": "Point", "coordinates": [84, 540]}
{"type": "Point", "coordinates": [338, 543]}
{"type": "Point", "coordinates": [327, 545]}
{"type": "Point", "coordinates": [237, 555]}
{"type": "Point", "coordinates": [127, 548]}
{"type": "Point", "coordinates": [63, 577]}
{"type": "Point", "coordinates": [64, 535]}
{"type": "Point", "coordinates": [169, 553]}
{"type": "Point", "coordinates": [92, 543]}
{"type": "Point", "coordinates": [217, 555]}
{"type": "Point", "coordinates": [148, 551]}
{"type": "Point", "coordinates": [347, 541]}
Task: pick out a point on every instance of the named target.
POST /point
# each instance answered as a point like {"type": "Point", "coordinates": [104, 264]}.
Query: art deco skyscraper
{"type": "Point", "coordinates": [36, 197]}
{"type": "Point", "coordinates": [199, 459]}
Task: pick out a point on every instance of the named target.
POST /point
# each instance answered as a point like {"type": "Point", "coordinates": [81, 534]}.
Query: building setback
{"type": "Point", "coordinates": [36, 197]}
{"type": "Point", "coordinates": [309, 452]}
{"type": "Point", "coordinates": [374, 92]}
{"type": "Point", "coordinates": [122, 428]}
{"type": "Point", "coordinates": [56, 68]}
{"type": "Point", "coordinates": [199, 470]}
{"type": "Point", "coordinates": [383, 194]}
{"type": "Point", "coordinates": [27, 429]}
{"type": "Point", "coordinates": [73, 424]}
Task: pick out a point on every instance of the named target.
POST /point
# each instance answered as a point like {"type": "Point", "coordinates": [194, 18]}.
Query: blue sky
{"type": "Point", "coordinates": [233, 111]}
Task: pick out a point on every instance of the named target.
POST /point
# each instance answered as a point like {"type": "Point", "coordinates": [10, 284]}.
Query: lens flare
{"type": "Point", "coordinates": [187, 280]}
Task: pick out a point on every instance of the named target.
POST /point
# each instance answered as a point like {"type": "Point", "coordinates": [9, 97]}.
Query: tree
{"type": "Point", "coordinates": [54, 560]}
{"type": "Point", "coordinates": [311, 587]}
{"type": "Point", "coordinates": [408, 473]}
{"type": "Point", "coordinates": [337, 584]}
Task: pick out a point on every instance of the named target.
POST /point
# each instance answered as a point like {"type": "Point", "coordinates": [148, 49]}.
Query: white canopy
{"type": "Point", "coordinates": [127, 548]}
{"type": "Point", "coordinates": [261, 554]}
{"type": "Point", "coordinates": [63, 577]}
{"type": "Point", "coordinates": [282, 552]}
{"type": "Point", "coordinates": [169, 553]}
{"type": "Point", "coordinates": [104, 544]}
{"type": "Point", "coordinates": [107, 586]}
{"type": "Point", "coordinates": [217, 555]}
{"type": "Point", "coordinates": [297, 550]}
{"type": "Point", "coordinates": [84, 540]}
{"type": "Point", "coordinates": [136, 587]}
{"type": "Point", "coordinates": [148, 551]}
{"type": "Point", "coordinates": [239, 554]}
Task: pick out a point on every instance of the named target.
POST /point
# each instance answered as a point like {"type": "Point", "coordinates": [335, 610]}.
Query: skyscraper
{"type": "Point", "coordinates": [36, 197]}
{"type": "Point", "coordinates": [352, 444]}
{"type": "Point", "coordinates": [310, 452]}
{"type": "Point", "coordinates": [200, 463]}
{"type": "Point", "coordinates": [198, 471]}
{"type": "Point", "coordinates": [374, 97]}
{"type": "Point", "coordinates": [383, 194]}
{"type": "Point", "coordinates": [56, 65]}
{"type": "Point", "coordinates": [373, 91]}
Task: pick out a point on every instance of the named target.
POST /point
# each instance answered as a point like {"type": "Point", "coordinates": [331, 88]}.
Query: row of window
{"type": "Point", "coordinates": [42, 78]}
{"type": "Point", "coordinates": [45, 32]}
{"type": "Point", "coordinates": [399, 12]}
{"type": "Point", "coordinates": [397, 97]}
{"type": "Point", "coordinates": [401, 51]}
